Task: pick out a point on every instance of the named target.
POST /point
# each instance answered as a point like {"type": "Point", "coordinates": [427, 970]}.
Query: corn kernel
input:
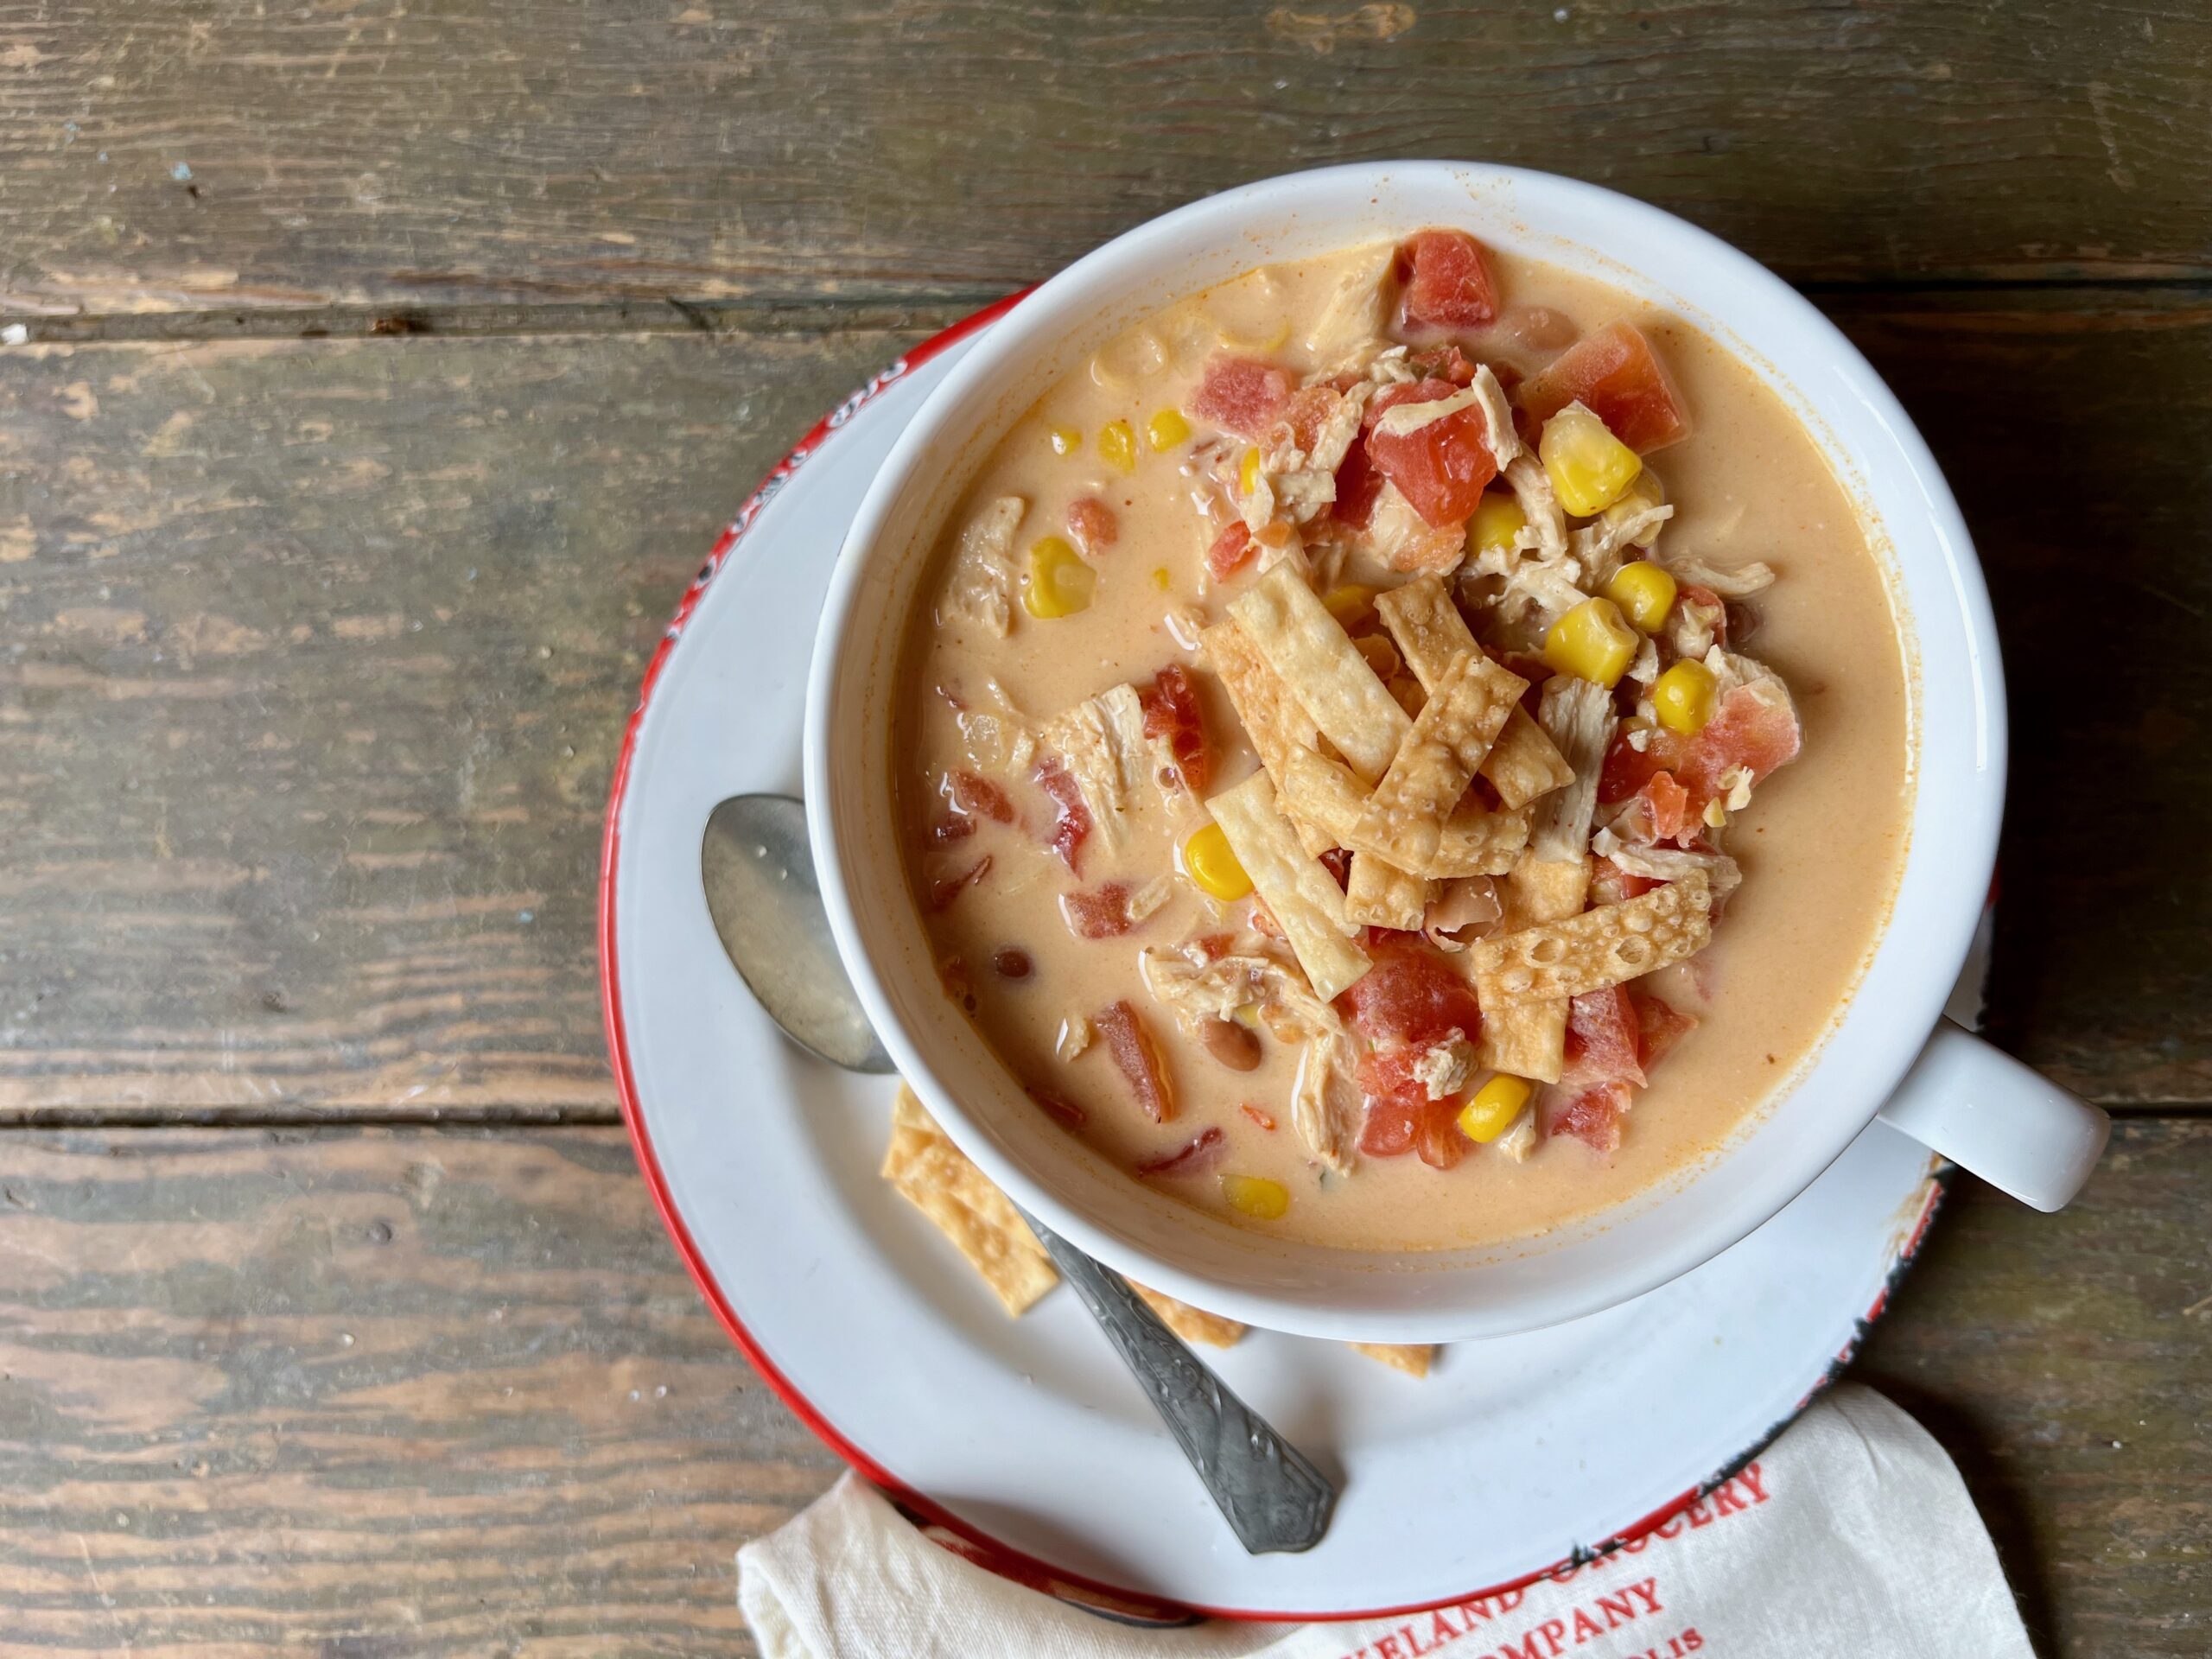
{"type": "Point", "coordinates": [1256, 1196]}
{"type": "Point", "coordinates": [1058, 582]}
{"type": "Point", "coordinates": [1592, 642]}
{"type": "Point", "coordinates": [1589, 467]}
{"type": "Point", "coordinates": [1066, 440]}
{"type": "Point", "coordinates": [1350, 602]}
{"type": "Point", "coordinates": [1210, 862]}
{"type": "Point", "coordinates": [1497, 520]}
{"type": "Point", "coordinates": [1160, 579]}
{"type": "Point", "coordinates": [1118, 444]}
{"type": "Point", "coordinates": [1645, 593]}
{"type": "Point", "coordinates": [1165, 429]}
{"type": "Point", "coordinates": [1495, 1105]}
{"type": "Point", "coordinates": [1247, 475]}
{"type": "Point", "coordinates": [1685, 698]}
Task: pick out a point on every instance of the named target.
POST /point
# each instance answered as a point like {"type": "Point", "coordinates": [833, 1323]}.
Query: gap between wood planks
{"type": "Point", "coordinates": [924, 306]}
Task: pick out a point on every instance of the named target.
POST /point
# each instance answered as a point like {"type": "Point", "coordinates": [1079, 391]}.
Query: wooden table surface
{"type": "Point", "coordinates": [388, 371]}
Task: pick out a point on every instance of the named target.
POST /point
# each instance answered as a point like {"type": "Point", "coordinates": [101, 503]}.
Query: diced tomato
{"type": "Point", "coordinates": [1669, 804]}
{"type": "Point", "coordinates": [1752, 729]}
{"type": "Point", "coordinates": [1201, 1152]}
{"type": "Point", "coordinates": [1171, 711]}
{"type": "Point", "coordinates": [1628, 768]}
{"type": "Point", "coordinates": [1100, 915]}
{"type": "Point", "coordinates": [946, 888]}
{"type": "Point", "coordinates": [1242, 395]}
{"type": "Point", "coordinates": [1093, 524]}
{"type": "Point", "coordinates": [1413, 995]}
{"type": "Point", "coordinates": [1452, 285]}
{"type": "Point", "coordinates": [1265, 1120]}
{"type": "Point", "coordinates": [1072, 822]}
{"type": "Point", "coordinates": [1137, 1057]}
{"type": "Point", "coordinates": [1442, 362]}
{"type": "Point", "coordinates": [1066, 1110]}
{"type": "Point", "coordinates": [1307, 412]}
{"type": "Point", "coordinates": [1601, 1040]}
{"type": "Point", "coordinates": [1442, 468]}
{"type": "Point", "coordinates": [1611, 884]}
{"type": "Point", "coordinates": [1659, 1027]}
{"type": "Point", "coordinates": [1401, 1118]}
{"type": "Point", "coordinates": [1592, 1115]}
{"type": "Point", "coordinates": [1214, 946]}
{"type": "Point", "coordinates": [977, 797]}
{"type": "Point", "coordinates": [1359, 485]}
{"type": "Point", "coordinates": [1613, 372]}
{"type": "Point", "coordinates": [1230, 551]}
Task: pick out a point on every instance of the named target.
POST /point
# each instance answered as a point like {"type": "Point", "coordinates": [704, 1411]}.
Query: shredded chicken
{"type": "Point", "coordinates": [1599, 548]}
{"type": "Point", "coordinates": [1504, 441]}
{"type": "Point", "coordinates": [1740, 582]}
{"type": "Point", "coordinates": [1578, 716]}
{"type": "Point", "coordinates": [1359, 310]}
{"type": "Point", "coordinates": [1545, 533]}
{"type": "Point", "coordinates": [994, 733]}
{"type": "Point", "coordinates": [1520, 1141]}
{"type": "Point", "coordinates": [1692, 627]}
{"type": "Point", "coordinates": [1644, 667]}
{"type": "Point", "coordinates": [1444, 1069]}
{"type": "Point", "coordinates": [1102, 740]}
{"type": "Point", "coordinates": [1324, 1099]}
{"type": "Point", "coordinates": [980, 587]}
{"type": "Point", "coordinates": [1668, 863]}
{"type": "Point", "coordinates": [1403, 419]}
{"type": "Point", "coordinates": [1075, 1035]}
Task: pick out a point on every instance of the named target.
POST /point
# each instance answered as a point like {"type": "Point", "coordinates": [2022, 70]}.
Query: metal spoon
{"type": "Point", "coordinates": [761, 892]}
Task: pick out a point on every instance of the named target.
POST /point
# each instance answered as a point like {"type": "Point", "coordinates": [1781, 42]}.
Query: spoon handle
{"type": "Point", "coordinates": [1272, 1497]}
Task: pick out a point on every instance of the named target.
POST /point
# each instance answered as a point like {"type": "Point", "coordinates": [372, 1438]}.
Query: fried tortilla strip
{"type": "Point", "coordinates": [1465, 711]}
{"type": "Point", "coordinates": [1323, 792]}
{"type": "Point", "coordinates": [1270, 716]}
{"type": "Point", "coordinates": [1578, 717]}
{"type": "Point", "coordinates": [1597, 948]}
{"type": "Point", "coordinates": [1414, 1358]}
{"type": "Point", "coordinates": [936, 1178]}
{"type": "Point", "coordinates": [1383, 895]}
{"type": "Point", "coordinates": [1294, 633]}
{"type": "Point", "coordinates": [1297, 887]}
{"type": "Point", "coordinates": [1191, 1324]}
{"type": "Point", "coordinates": [1430, 634]}
{"type": "Point", "coordinates": [1526, 1036]}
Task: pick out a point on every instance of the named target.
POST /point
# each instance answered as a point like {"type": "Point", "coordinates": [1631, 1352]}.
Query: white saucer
{"type": "Point", "coordinates": [1024, 1438]}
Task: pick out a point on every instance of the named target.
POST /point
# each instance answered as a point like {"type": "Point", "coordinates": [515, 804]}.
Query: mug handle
{"type": "Point", "coordinates": [1988, 1113]}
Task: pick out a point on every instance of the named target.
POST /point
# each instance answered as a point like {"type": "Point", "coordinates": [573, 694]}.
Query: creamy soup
{"type": "Point", "coordinates": [1404, 748]}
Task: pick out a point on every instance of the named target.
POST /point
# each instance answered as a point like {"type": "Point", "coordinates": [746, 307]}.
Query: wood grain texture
{"type": "Point", "coordinates": [228, 154]}
{"type": "Point", "coordinates": [317, 653]}
{"type": "Point", "coordinates": [387, 1392]}
{"type": "Point", "coordinates": [2065, 1363]}
{"type": "Point", "coordinates": [367, 1395]}
{"type": "Point", "coordinates": [315, 663]}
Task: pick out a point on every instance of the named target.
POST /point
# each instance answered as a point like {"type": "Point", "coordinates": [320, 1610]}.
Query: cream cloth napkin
{"type": "Point", "coordinates": [1851, 1536]}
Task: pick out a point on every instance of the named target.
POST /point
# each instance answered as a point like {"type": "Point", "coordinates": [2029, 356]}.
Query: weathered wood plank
{"type": "Point", "coordinates": [229, 155]}
{"type": "Point", "coordinates": [317, 659]}
{"type": "Point", "coordinates": [349, 1388]}
{"type": "Point", "coordinates": [317, 655]}
{"type": "Point", "coordinates": [2065, 1363]}
{"type": "Point", "coordinates": [367, 1394]}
